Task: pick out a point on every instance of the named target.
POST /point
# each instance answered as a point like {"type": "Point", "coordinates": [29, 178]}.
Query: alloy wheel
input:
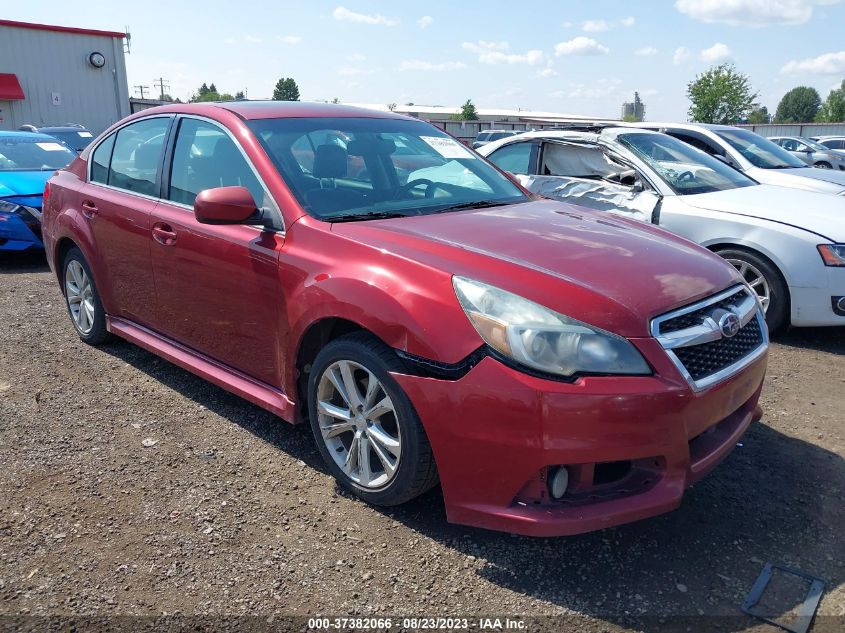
{"type": "Point", "coordinates": [358, 424]}
{"type": "Point", "coordinates": [756, 279]}
{"type": "Point", "coordinates": [80, 296]}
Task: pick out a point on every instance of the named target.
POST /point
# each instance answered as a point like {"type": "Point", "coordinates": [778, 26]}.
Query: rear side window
{"type": "Point", "coordinates": [515, 158]}
{"type": "Point", "coordinates": [100, 161]}
{"type": "Point", "coordinates": [136, 156]}
{"type": "Point", "coordinates": [834, 144]}
{"type": "Point", "coordinates": [205, 157]}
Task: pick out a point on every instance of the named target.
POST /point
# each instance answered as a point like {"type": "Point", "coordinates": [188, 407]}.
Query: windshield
{"type": "Point", "coordinates": [759, 151]}
{"type": "Point", "coordinates": [813, 145]}
{"type": "Point", "coordinates": [33, 154]}
{"type": "Point", "coordinates": [360, 168]}
{"type": "Point", "coordinates": [684, 168]}
{"type": "Point", "coordinates": [77, 141]}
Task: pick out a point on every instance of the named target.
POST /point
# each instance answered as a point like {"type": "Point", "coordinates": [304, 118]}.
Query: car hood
{"type": "Point", "coordinates": [822, 214]}
{"type": "Point", "coordinates": [610, 272]}
{"type": "Point", "coordinates": [807, 178]}
{"type": "Point", "coordinates": [23, 183]}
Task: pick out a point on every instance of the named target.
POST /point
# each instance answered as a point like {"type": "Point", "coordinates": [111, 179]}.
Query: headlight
{"type": "Point", "coordinates": [832, 254]}
{"type": "Point", "coordinates": [542, 339]}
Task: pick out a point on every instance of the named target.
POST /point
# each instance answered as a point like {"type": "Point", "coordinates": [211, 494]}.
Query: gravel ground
{"type": "Point", "coordinates": [130, 487]}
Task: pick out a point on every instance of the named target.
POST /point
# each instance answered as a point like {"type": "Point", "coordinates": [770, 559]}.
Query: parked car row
{"type": "Point", "coordinates": [787, 243]}
{"type": "Point", "coordinates": [430, 317]}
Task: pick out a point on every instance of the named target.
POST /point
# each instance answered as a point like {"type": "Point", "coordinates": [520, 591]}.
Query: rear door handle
{"type": "Point", "coordinates": [164, 234]}
{"type": "Point", "coordinates": [89, 209]}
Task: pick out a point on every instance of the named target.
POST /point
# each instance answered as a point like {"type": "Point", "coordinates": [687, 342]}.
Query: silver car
{"type": "Point", "coordinates": [811, 152]}
{"type": "Point", "coordinates": [833, 142]}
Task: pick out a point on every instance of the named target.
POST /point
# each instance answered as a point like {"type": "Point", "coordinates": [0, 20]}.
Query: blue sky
{"type": "Point", "coordinates": [572, 57]}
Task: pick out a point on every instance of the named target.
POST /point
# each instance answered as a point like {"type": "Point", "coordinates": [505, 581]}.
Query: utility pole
{"type": "Point", "coordinates": [141, 89]}
{"type": "Point", "coordinates": [163, 85]}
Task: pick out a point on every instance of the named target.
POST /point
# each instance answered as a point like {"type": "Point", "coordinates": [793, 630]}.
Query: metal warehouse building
{"type": "Point", "coordinates": [55, 75]}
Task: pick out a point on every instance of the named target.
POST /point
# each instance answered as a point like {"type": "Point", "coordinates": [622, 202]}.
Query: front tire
{"type": "Point", "coordinates": [823, 165]}
{"type": "Point", "coordinates": [366, 429]}
{"type": "Point", "coordinates": [765, 279]}
{"type": "Point", "coordinates": [82, 300]}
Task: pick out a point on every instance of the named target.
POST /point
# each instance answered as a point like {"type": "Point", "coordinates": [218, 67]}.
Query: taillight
{"type": "Point", "coordinates": [45, 197]}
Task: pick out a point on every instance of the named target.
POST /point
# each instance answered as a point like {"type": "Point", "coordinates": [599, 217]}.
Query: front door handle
{"type": "Point", "coordinates": [89, 209]}
{"type": "Point", "coordinates": [164, 234]}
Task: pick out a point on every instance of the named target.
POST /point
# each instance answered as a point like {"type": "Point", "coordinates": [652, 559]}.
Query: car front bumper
{"type": "Point", "coordinates": [18, 233]}
{"type": "Point", "coordinates": [813, 307]}
{"type": "Point", "coordinates": [497, 432]}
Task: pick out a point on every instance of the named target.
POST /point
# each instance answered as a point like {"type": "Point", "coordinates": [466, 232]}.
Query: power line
{"type": "Point", "coordinates": [141, 89]}
{"type": "Point", "coordinates": [163, 85]}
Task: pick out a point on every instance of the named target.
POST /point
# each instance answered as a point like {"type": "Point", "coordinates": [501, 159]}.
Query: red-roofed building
{"type": "Point", "coordinates": [55, 75]}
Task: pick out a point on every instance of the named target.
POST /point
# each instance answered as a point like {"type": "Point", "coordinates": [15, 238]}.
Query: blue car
{"type": "Point", "coordinates": [27, 160]}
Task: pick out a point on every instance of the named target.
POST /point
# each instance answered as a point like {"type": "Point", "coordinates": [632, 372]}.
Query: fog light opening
{"type": "Point", "coordinates": [841, 304]}
{"type": "Point", "coordinates": [558, 482]}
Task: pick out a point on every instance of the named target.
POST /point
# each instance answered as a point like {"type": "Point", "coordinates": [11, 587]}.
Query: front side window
{"type": "Point", "coordinates": [685, 169]}
{"type": "Point", "coordinates": [136, 157]}
{"type": "Point", "coordinates": [515, 158]}
{"type": "Point", "coordinates": [33, 153]}
{"type": "Point", "coordinates": [360, 168]}
{"type": "Point", "coordinates": [206, 157]}
{"type": "Point", "coordinates": [759, 151]}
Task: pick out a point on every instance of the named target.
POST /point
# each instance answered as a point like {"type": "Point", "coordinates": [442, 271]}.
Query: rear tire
{"type": "Point", "coordinates": [366, 429]}
{"type": "Point", "coordinates": [82, 299]}
{"type": "Point", "coordinates": [766, 281]}
{"type": "Point", "coordinates": [823, 165]}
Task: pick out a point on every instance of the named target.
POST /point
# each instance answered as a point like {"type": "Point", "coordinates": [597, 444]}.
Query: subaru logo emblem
{"type": "Point", "coordinates": [729, 325]}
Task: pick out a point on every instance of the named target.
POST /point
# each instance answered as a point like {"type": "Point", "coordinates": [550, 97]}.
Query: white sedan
{"type": "Point", "coordinates": [788, 244]}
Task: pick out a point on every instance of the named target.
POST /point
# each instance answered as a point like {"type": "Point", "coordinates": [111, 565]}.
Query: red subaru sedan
{"type": "Point", "coordinates": [557, 370]}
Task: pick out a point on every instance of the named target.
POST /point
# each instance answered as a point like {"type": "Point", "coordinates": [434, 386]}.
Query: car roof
{"type": "Point", "coordinates": [564, 135]}
{"type": "Point", "coordinates": [35, 136]}
{"type": "Point", "coordinates": [62, 128]}
{"type": "Point", "coordinates": [253, 110]}
{"type": "Point", "coordinates": [684, 126]}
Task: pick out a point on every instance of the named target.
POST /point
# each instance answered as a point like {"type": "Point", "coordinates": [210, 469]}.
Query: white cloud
{"type": "Point", "coordinates": [681, 55]}
{"type": "Point", "coordinates": [425, 21]}
{"type": "Point", "coordinates": [567, 25]}
{"type": "Point", "coordinates": [345, 15]}
{"type": "Point", "coordinates": [826, 64]}
{"type": "Point", "coordinates": [495, 53]}
{"type": "Point", "coordinates": [646, 51]}
{"type": "Point", "coordinates": [355, 57]}
{"type": "Point", "coordinates": [547, 72]}
{"type": "Point", "coordinates": [595, 26]}
{"type": "Point", "coordinates": [252, 39]}
{"type": "Point", "coordinates": [629, 21]}
{"type": "Point", "coordinates": [416, 64]}
{"type": "Point", "coordinates": [717, 53]}
{"type": "Point", "coordinates": [751, 12]}
{"type": "Point", "coordinates": [290, 39]}
{"type": "Point", "coordinates": [581, 46]}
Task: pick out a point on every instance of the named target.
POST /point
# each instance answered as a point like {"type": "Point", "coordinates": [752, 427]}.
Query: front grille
{"type": "Point", "coordinates": [698, 338]}
{"type": "Point", "coordinates": [707, 359]}
{"type": "Point", "coordinates": [697, 317]}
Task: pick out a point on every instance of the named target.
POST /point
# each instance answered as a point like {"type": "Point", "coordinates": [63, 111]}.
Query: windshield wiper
{"type": "Point", "coordinates": [369, 215]}
{"type": "Point", "coordinates": [477, 204]}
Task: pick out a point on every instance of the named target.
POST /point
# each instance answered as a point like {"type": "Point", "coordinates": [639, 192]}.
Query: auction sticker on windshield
{"type": "Point", "coordinates": [50, 147]}
{"type": "Point", "coordinates": [447, 147]}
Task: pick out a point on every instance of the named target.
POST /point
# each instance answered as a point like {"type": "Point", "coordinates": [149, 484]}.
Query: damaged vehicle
{"type": "Point", "coordinates": [788, 244]}
{"type": "Point", "coordinates": [450, 329]}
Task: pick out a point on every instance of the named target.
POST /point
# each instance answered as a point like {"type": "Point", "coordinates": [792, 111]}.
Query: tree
{"type": "Point", "coordinates": [758, 115]}
{"type": "Point", "coordinates": [833, 109]}
{"type": "Point", "coordinates": [799, 105]}
{"type": "Point", "coordinates": [391, 106]}
{"type": "Point", "coordinates": [467, 113]}
{"type": "Point", "coordinates": [286, 90]}
{"type": "Point", "coordinates": [720, 95]}
{"type": "Point", "coordinates": [208, 92]}
{"type": "Point", "coordinates": [630, 118]}
{"type": "Point", "coordinates": [239, 95]}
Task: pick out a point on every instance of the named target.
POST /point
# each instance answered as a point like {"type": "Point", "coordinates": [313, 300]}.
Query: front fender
{"type": "Point", "coordinates": [420, 316]}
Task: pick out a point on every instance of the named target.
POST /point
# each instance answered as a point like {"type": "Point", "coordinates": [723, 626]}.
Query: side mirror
{"type": "Point", "coordinates": [226, 205]}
